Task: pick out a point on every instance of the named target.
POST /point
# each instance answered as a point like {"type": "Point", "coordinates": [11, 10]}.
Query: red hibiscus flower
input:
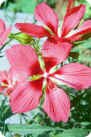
{"type": "Point", "coordinates": [69, 32]}
{"type": "Point", "coordinates": [10, 79]}
{"type": "Point", "coordinates": [50, 20]}
{"type": "Point", "coordinates": [6, 82]}
{"type": "Point", "coordinates": [26, 96]}
{"type": "Point", "coordinates": [4, 32]}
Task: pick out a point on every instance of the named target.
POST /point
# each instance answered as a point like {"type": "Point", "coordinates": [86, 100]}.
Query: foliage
{"type": "Point", "coordinates": [23, 6]}
{"type": "Point", "coordinates": [38, 124]}
{"type": "Point", "coordinates": [83, 48]}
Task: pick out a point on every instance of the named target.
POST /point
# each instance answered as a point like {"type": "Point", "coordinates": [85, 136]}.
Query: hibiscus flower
{"type": "Point", "coordinates": [57, 36]}
{"type": "Point", "coordinates": [4, 32]}
{"type": "Point", "coordinates": [38, 83]}
{"type": "Point", "coordinates": [9, 80]}
{"type": "Point", "coordinates": [50, 27]}
{"type": "Point", "coordinates": [6, 82]}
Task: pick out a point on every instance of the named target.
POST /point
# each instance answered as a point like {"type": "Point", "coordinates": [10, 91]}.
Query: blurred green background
{"type": "Point", "coordinates": [28, 6]}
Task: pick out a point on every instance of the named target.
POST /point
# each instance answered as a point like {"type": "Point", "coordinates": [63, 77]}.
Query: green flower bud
{"type": "Point", "coordinates": [22, 38]}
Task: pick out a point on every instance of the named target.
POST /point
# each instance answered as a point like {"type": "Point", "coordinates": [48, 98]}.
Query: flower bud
{"type": "Point", "coordinates": [22, 38]}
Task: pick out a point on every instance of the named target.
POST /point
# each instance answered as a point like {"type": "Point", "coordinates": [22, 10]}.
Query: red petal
{"type": "Point", "coordinates": [83, 29]}
{"type": "Point", "coordinates": [7, 79]}
{"type": "Point", "coordinates": [57, 105]}
{"type": "Point", "coordinates": [32, 29]}
{"type": "Point", "coordinates": [70, 5]}
{"type": "Point", "coordinates": [25, 98]}
{"type": "Point", "coordinates": [3, 78]}
{"type": "Point", "coordinates": [2, 27]}
{"type": "Point", "coordinates": [72, 19]}
{"type": "Point", "coordinates": [18, 75]}
{"type": "Point", "coordinates": [4, 35]}
{"type": "Point", "coordinates": [49, 63]}
{"type": "Point", "coordinates": [11, 78]}
{"type": "Point", "coordinates": [46, 15]}
{"type": "Point", "coordinates": [22, 57]}
{"type": "Point", "coordinates": [1, 89]}
{"type": "Point", "coordinates": [58, 51]}
{"type": "Point", "coordinates": [75, 75]}
{"type": "Point", "coordinates": [3, 75]}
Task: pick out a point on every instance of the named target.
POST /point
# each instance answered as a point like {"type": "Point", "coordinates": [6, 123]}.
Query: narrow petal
{"type": "Point", "coordinates": [85, 28]}
{"type": "Point", "coordinates": [2, 27]}
{"type": "Point", "coordinates": [58, 51]}
{"type": "Point", "coordinates": [4, 36]}
{"type": "Point", "coordinates": [72, 19]}
{"type": "Point", "coordinates": [70, 5]}
{"type": "Point", "coordinates": [22, 57]}
{"type": "Point", "coordinates": [32, 29]}
{"type": "Point", "coordinates": [57, 105]}
{"type": "Point", "coordinates": [75, 75]}
{"type": "Point", "coordinates": [46, 15]}
{"type": "Point", "coordinates": [25, 98]}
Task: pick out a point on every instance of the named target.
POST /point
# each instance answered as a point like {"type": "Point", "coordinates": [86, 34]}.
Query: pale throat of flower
{"type": "Point", "coordinates": [35, 77]}
{"type": "Point", "coordinates": [45, 75]}
{"type": "Point", "coordinates": [8, 84]}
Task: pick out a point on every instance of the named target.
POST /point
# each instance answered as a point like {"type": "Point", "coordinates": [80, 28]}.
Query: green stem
{"type": "Point", "coordinates": [5, 44]}
{"type": "Point", "coordinates": [36, 46]}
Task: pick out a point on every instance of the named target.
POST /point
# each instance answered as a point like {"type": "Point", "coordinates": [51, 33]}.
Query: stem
{"type": "Point", "coordinates": [36, 46]}
{"type": "Point", "coordinates": [5, 44]}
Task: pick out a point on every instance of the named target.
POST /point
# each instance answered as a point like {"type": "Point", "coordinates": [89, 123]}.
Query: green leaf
{"type": "Point", "coordinates": [74, 132]}
{"type": "Point", "coordinates": [34, 129]}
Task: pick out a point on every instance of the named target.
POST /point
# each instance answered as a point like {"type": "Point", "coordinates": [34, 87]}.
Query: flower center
{"type": "Point", "coordinates": [45, 75]}
{"type": "Point", "coordinates": [8, 85]}
{"type": "Point", "coordinates": [4, 83]}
